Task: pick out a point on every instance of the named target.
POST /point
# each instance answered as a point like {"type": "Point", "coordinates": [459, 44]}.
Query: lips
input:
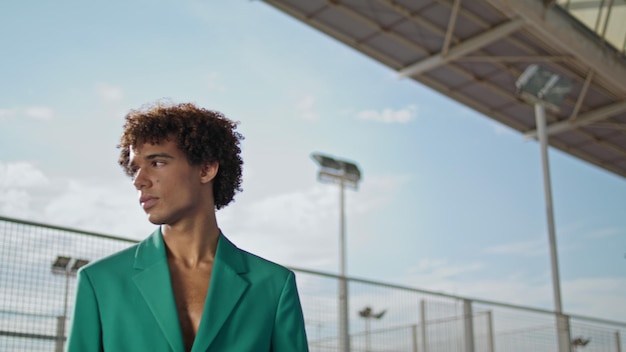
{"type": "Point", "coordinates": [147, 202]}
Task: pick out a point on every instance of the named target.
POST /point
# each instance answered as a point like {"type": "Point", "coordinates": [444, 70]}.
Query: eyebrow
{"type": "Point", "coordinates": [151, 157]}
{"type": "Point", "coordinates": [159, 155]}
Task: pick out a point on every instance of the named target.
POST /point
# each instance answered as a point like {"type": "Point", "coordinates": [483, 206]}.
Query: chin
{"type": "Point", "coordinates": [155, 219]}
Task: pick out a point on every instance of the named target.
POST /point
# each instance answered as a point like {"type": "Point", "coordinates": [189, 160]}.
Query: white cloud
{"type": "Point", "coordinates": [539, 246]}
{"type": "Point", "coordinates": [39, 113]}
{"type": "Point", "coordinates": [27, 193]}
{"type": "Point", "coordinates": [108, 93]}
{"type": "Point", "coordinates": [527, 248]}
{"type": "Point", "coordinates": [597, 296]}
{"type": "Point", "coordinates": [34, 112]}
{"type": "Point", "coordinates": [21, 185]}
{"type": "Point", "coordinates": [600, 297]}
{"type": "Point", "coordinates": [440, 270]}
{"type": "Point", "coordinates": [292, 228]}
{"type": "Point", "coordinates": [14, 202]}
{"type": "Point", "coordinates": [8, 113]}
{"type": "Point", "coordinates": [305, 108]}
{"type": "Point", "coordinates": [105, 209]}
{"type": "Point", "coordinates": [389, 115]}
{"type": "Point", "coordinates": [377, 192]}
{"type": "Point", "coordinates": [450, 278]}
{"type": "Point", "coordinates": [300, 228]}
{"type": "Point", "coordinates": [603, 233]}
{"type": "Point", "coordinates": [21, 175]}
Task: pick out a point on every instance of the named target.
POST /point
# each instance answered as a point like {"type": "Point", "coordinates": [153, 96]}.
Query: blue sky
{"type": "Point", "coordinates": [450, 200]}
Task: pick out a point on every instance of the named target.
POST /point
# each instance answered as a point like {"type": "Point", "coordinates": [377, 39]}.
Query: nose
{"type": "Point", "coordinates": [141, 179]}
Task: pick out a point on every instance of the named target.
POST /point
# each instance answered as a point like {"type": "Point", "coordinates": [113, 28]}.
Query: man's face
{"type": "Point", "coordinates": [169, 187]}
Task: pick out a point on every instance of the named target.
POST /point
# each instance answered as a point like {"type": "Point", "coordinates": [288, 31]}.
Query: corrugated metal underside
{"type": "Point", "coordinates": [474, 51]}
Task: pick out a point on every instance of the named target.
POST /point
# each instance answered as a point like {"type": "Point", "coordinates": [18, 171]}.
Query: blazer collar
{"type": "Point", "coordinates": [154, 282]}
{"type": "Point", "coordinates": [226, 288]}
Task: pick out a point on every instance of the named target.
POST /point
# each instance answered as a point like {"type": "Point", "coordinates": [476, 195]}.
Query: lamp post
{"type": "Point", "coordinates": [545, 89]}
{"type": "Point", "coordinates": [346, 174]}
{"type": "Point", "coordinates": [367, 313]}
{"type": "Point", "coordinates": [68, 267]}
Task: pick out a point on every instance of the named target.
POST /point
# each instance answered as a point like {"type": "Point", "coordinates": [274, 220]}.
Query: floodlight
{"type": "Point", "coordinates": [539, 85]}
{"type": "Point", "coordinates": [368, 313]}
{"type": "Point", "coordinates": [67, 265]}
{"type": "Point", "coordinates": [60, 264]}
{"type": "Point", "coordinates": [79, 263]}
{"type": "Point", "coordinates": [336, 170]}
{"type": "Point", "coordinates": [580, 341]}
{"type": "Point", "coordinates": [327, 162]}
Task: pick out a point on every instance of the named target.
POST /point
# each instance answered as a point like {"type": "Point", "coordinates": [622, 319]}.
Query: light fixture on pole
{"type": "Point", "coordinates": [344, 173]}
{"type": "Point", "coordinates": [580, 342]}
{"type": "Point", "coordinates": [68, 267]}
{"type": "Point", "coordinates": [367, 313]}
{"type": "Point", "coordinates": [545, 89]}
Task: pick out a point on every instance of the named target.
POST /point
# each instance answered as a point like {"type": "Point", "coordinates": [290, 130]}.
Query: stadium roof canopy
{"type": "Point", "coordinates": [474, 51]}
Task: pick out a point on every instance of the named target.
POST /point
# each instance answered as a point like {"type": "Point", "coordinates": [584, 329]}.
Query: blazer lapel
{"type": "Point", "coordinates": [154, 283]}
{"type": "Point", "coordinates": [227, 287]}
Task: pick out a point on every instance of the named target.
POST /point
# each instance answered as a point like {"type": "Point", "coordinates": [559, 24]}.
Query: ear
{"type": "Point", "coordinates": [208, 172]}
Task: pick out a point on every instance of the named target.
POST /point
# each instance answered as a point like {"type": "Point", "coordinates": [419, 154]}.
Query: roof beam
{"type": "Point", "coordinates": [582, 95]}
{"type": "Point", "coordinates": [451, 24]}
{"type": "Point", "coordinates": [462, 48]}
{"type": "Point", "coordinates": [582, 120]}
{"type": "Point", "coordinates": [560, 30]}
{"type": "Point", "coordinates": [533, 59]}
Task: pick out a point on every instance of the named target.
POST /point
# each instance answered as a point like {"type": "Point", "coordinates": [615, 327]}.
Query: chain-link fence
{"type": "Point", "coordinates": [37, 283]}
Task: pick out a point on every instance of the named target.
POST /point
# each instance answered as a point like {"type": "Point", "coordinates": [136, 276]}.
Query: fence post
{"type": "Point", "coordinates": [469, 325]}
{"type": "Point", "coordinates": [423, 324]}
{"type": "Point", "coordinates": [490, 331]}
{"type": "Point", "coordinates": [414, 335]}
{"type": "Point", "coordinates": [563, 334]}
{"type": "Point", "coordinates": [618, 342]}
{"type": "Point", "coordinates": [60, 341]}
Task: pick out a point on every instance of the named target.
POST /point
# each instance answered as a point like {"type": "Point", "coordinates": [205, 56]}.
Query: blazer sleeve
{"type": "Point", "coordinates": [86, 333]}
{"type": "Point", "coordinates": [289, 334]}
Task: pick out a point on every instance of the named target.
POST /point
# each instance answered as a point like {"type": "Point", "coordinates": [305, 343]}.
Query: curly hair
{"type": "Point", "coordinates": [204, 136]}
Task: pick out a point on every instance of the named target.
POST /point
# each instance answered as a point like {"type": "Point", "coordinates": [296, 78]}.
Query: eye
{"type": "Point", "coordinates": [158, 163]}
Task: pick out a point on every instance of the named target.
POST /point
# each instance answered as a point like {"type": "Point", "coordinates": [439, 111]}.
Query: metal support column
{"type": "Point", "coordinates": [344, 336]}
{"type": "Point", "coordinates": [562, 325]}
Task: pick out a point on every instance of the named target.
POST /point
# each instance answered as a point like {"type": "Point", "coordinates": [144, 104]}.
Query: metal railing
{"type": "Point", "coordinates": [604, 17]}
{"type": "Point", "coordinates": [34, 315]}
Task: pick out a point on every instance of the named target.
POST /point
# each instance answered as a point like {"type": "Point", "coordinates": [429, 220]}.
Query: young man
{"type": "Point", "coordinates": [186, 287]}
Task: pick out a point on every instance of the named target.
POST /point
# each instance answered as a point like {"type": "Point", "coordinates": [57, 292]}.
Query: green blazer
{"type": "Point", "coordinates": [125, 302]}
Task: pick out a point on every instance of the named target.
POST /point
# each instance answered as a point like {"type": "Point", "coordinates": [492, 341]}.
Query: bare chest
{"type": "Point", "coordinates": [190, 287]}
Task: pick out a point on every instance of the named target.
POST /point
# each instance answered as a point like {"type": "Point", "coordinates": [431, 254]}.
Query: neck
{"type": "Point", "coordinates": [193, 242]}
